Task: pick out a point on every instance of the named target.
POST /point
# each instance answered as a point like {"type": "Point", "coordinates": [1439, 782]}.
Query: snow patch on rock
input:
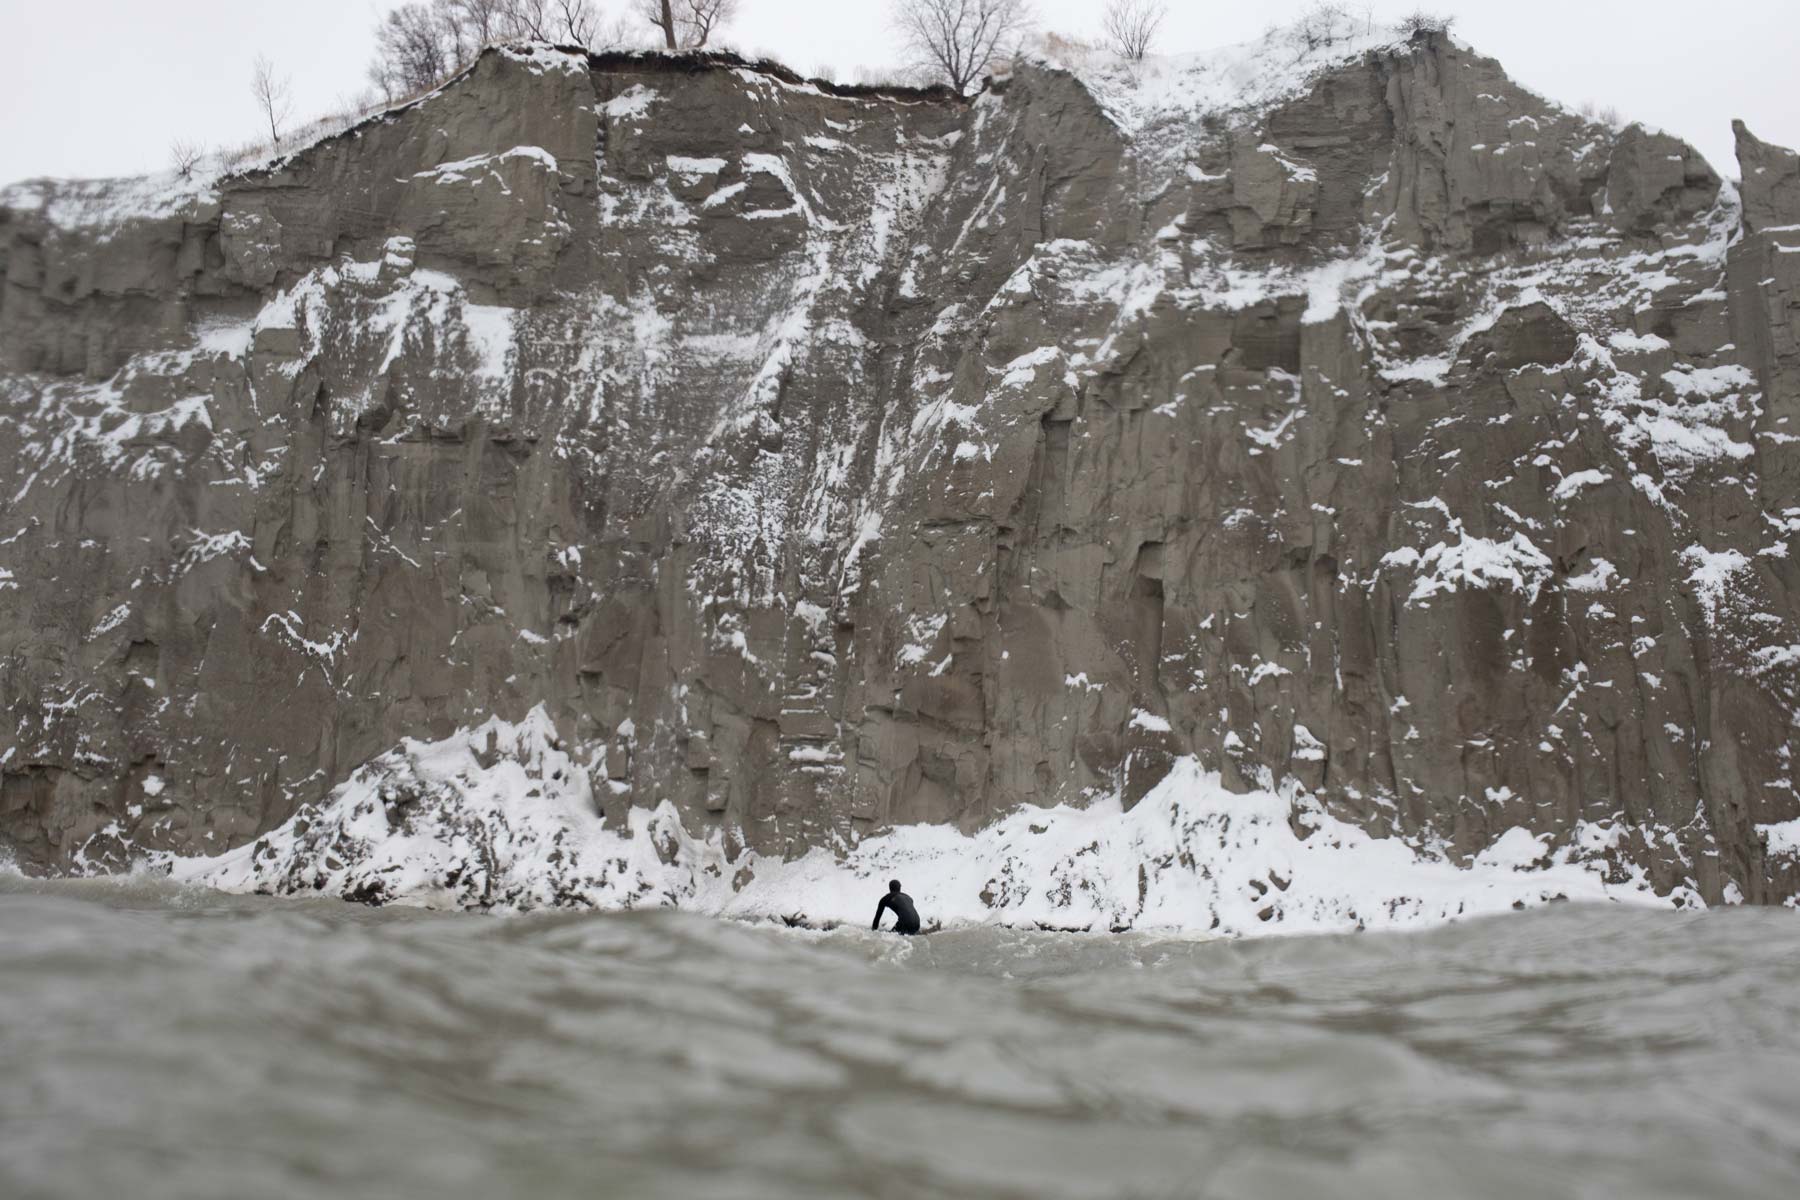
{"type": "Point", "coordinates": [503, 817]}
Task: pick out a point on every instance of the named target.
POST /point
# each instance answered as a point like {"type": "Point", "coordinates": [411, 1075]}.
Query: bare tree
{"type": "Point", "coordinates": [1131, 26]}
{"type": "Point", "coordinates": [1325, 24]}
{"type": "Point", "coordinates": [381, 79]}
{"type": "Point", "coordinates": [1419, 23]}
{"type": "Point", "coordinates": [700, 18]}
{"type": "Point", "coordinates": [185, 156]}
{"type": "Point", "coordinates": [421, 43]}
{"type": "Point", "coordinates": [687, 24]}
{"type": "Point", "coordinates": [483, 20]}
{"type": "Point", "coordinates": [272, 96]}
{"type": "Point", "coordinates": [529, 19]}
{"type": "Point", "coordinates": [1606, 114]}
{"type": "Point", "coordinates": [577, 23]}
{"type": "Point", "coordinates": [413, 45]}
{"type": "Point", "coordinates": [661, 15]}
{"type": "Point", "coordinates": [460, 42]}
{"type": "Point", "coordinates": [960, 40]}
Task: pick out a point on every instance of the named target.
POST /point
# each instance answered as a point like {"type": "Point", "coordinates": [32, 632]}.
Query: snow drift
{"type": "Point", "coordinates": [503, 818]}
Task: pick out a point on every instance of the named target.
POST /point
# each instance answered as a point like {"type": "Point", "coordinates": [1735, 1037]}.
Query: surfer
{"type": "Point", "coordinates": [906, 917]}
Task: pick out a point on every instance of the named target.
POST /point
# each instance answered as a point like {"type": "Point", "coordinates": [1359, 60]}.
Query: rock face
{"type": "Point", "coordinates": [1358, 424]}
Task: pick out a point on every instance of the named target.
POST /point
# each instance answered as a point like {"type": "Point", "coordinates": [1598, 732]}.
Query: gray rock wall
{"type": "Point", "coordinates": [826, 461]}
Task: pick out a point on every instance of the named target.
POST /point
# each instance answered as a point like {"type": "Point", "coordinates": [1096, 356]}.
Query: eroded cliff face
{"type": "Point", "coordinates": [1363, 427]}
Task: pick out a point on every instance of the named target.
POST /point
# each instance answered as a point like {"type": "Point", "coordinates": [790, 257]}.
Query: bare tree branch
{"type": "Point", "coordinates": [529, 19]}
{"type": "Point", "coordinates": [421, 43]}
{"type": "Point", "coordinates": [484, 20]}
{"type": "Point", "coordinates": [701, 17]}
{"type": "Point", "coordinates": [413, 51]}
{"type": "Point", "coordinates": [185, 155]}
{"type": "Point", "coordinates": [1131, 26]}
{"type": "Point", "coordinates": [1325, 24]}
{"type": "Point", "coordinates": [960, 40]}
{"type": "Point", "coordinates": [1607, 114]}
{"type": "Point", "coordinates": [577, 21]}
{"type": "Point", "coordinates": [686, 24]}
{"type": "Point", "coordinates": [1420, 22]}
{"type": "Point", "coordinates": [458, 42]}
{"type": "Point", "coordinates": [272, 96]}
{"type": "Point", "coordinates": [661, 15]}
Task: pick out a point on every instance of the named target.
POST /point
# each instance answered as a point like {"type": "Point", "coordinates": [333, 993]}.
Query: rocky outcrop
{"type": "Point", "coordinates": [1362, 426]}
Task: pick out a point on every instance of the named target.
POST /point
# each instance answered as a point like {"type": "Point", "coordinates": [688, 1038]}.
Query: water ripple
{"type": "Point", "coordinates": [167, 1042]}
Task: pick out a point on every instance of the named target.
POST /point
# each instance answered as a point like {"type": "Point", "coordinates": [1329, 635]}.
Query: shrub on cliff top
{"type": "Point", "coordinates": [1419, 23]}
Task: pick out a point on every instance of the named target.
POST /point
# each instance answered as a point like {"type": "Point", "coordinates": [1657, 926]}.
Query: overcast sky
{"type": "Point", "coordinates": [101, 87]}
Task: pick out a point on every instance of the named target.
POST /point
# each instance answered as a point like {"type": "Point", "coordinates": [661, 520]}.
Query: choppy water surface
{"type": "Point", "coordinates": [164, 1043]}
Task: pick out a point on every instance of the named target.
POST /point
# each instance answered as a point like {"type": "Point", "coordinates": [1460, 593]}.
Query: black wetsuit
{"type": "Point", "coordinates": [906, 917]}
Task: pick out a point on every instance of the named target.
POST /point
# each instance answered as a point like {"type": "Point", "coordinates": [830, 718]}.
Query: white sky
{"type": "Point", "coordinates": [101, 87]}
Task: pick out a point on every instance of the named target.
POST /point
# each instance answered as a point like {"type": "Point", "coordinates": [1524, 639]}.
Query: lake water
{"type": "Point", "coordinates": [160, 1042]}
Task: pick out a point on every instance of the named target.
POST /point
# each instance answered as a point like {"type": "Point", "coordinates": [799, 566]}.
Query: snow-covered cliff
{"type": "Point", "coordinates": [1350, 432]}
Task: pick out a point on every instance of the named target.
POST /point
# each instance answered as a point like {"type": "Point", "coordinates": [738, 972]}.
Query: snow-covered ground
{"type": "Point", "coordinates": [503, 817]}
{"type": "Point", "coordinates": [1247, 76]}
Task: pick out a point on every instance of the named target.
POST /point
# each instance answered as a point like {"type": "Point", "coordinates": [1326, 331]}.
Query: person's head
{"type": "Point", "coordinates": [893, 885]}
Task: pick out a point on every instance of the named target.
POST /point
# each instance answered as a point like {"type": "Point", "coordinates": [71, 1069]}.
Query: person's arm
{"type": "Point", "coordinates": [879, 909]}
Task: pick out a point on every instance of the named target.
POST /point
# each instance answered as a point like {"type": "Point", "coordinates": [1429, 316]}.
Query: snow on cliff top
{"type": "Point", "coordinates": [99, 203]}
{"type": "Point", "coordinates": [1139, 96]}
{"type": "Point", "coordinates": [1169, 91]}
